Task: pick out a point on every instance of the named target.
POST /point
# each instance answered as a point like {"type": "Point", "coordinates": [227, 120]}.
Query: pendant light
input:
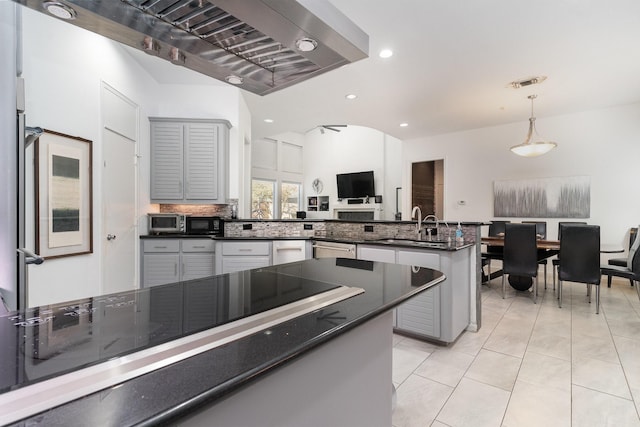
{"type": "Point", "coordinates": [529, 148]}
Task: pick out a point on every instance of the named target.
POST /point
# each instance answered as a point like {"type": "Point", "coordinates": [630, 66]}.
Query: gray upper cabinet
{"type": "Point", "coordinates": [188, 160]}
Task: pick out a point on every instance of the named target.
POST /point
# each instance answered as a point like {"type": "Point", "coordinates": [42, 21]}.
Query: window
{"type": "Point", "coordinates": [262, 196]}
{"type": "Point", "coordinates": [289, 199]}
{"type": "Point", "coordinates": [276, 184]}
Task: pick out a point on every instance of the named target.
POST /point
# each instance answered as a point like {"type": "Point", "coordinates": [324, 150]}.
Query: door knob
{"type": "Point", "coordinates": [111, 237]}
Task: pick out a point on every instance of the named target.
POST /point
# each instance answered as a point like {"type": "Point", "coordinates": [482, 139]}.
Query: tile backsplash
{"type": "Point", "coordinates": [199, 210]}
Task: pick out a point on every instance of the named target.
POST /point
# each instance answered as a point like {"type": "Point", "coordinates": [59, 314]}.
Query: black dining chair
{"type": "Point", "coordinates": [543, 254]}
{"type": "Point", "coordinates": [630, 271]}
{"type": "Point", "coordinates": [580, 258]}
{"type": "Point", "coordinates": [520, 255]}
{"type": "Point", "coordinates": [496, 228]}
{"type": "Point", "coordinates": [622, 262]}
{"type": "Point", "coordinates": [555, 262]}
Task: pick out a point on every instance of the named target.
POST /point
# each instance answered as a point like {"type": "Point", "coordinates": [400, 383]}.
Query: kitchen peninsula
{"type": "Point", "coordinates": [461, 262]}
{"type": "Point", "coordinates": [300, 343]}
{"type": "Point", "coordinates": [253, 243]}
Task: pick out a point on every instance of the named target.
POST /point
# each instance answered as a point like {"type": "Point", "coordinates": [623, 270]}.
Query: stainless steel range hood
{"type": "Point", "coordinates": [256, 42]}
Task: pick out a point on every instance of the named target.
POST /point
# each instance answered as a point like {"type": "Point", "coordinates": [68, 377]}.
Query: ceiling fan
{"type": "Point", "coordinates": [331, 127]}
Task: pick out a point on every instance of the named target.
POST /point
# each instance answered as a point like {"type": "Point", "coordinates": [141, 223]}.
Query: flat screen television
{"type": "Point", "coordinates": [355, 185]}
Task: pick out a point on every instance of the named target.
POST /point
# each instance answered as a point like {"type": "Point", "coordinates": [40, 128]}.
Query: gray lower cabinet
{"type": "Point", "coordinates": [188, 160]}
{"type": "Point", "coordinates": [441, 313]}
{"type": "Point", "coordinates": [173, 260]}
{"type": "Point", "coordinates": [198, 258]}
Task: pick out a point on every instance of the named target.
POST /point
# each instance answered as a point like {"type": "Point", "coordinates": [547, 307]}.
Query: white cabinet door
{"type": "Point", "coordinates": [246, 248]}
{"type": "Point", "coordinates": [243, 255]}
{"type": "Point", "coordinates": [373, 253]}
{"type": "Point", "coordinates": [285, 251]}
{"type": "Point", "coordinates": [419, 258]}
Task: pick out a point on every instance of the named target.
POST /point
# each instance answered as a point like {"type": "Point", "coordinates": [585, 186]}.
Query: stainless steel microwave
{"type": "Point", "coordinates": [211, 225]}
{"type": "Point", "coordinates": [166, 223]}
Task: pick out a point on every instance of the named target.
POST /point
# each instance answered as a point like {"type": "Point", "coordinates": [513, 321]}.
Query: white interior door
{"type": "Point", "coordinates": [119, 191]}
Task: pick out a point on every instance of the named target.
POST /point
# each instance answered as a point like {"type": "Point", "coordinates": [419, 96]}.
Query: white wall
{"type": "Point", "coordinates": [240, 162]}
{"type": "Point", "coordinates": [353, 149]}
{"type": "Point", "coordinates": [63, 69]}
{"type": "Point", "coordinates": [603, 144]}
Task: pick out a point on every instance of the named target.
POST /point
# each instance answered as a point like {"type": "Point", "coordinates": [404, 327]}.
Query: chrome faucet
{"type": "Point", "coordinates": [428, 229]}
{"type": "Point", "coordinates": [416, 209]}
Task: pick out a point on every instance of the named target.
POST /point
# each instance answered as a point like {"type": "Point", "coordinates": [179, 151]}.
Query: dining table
{"type": "Point", "coordinates": [550, 245]}
{"type": "Point", "coordinates": [547, 249]}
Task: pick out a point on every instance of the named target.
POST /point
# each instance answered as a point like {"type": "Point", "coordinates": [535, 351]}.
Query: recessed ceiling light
{"type": "Point", "coordinates": [59, 10]}
{"type": "Point", "coordinates": [404, 125]}
{"type": "Point", "coordinates": [351, 96]}
{"type": "Point", "coordinates": [386, 53]}
{"type": "Point", "coordinates": [268, 120]}
{"type": "Point", "coordinates": [234, 80]}
{"type": "Point", "coordinates": [306, 44]}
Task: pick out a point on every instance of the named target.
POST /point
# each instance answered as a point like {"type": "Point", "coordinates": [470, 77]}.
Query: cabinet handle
{"type": "Point", "coordinates": [333, 248]}
{"type": "Point", "coordinates": [160, 247]}
{"type": "Point", "coordinates": [244, 250]}
{"type": "Point", "coordinates": [198, 247]}
{"type": "Point", "coordinates": [175, 269]}
{"type": "Point", "coordinates": [290, 248]}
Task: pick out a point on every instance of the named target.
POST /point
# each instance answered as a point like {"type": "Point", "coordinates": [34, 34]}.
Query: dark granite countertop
{"type": "Point", "coordinates": [408, 243]}
{"type": "Point", "coordinates": [206, 236]}
{"type": "Point", "coordinates": [46, 344]}
{"type": "Point", "coordinates": [405, 243]}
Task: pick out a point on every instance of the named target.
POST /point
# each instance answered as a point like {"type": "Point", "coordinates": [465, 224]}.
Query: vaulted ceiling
{"type": "Point", "coordinates": [453, 61]}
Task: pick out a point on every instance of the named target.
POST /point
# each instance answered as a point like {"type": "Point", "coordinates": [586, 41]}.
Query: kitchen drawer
{"type": "Point", "coordinates": [234, 263]}
{"type": "Point", "coordinates": [198, 245]}
{"type": "Point", "coordinates": [156, 245]}
{"type": "Point", "coordinates": [285, 251]}
{"type": "Point", "coordinates": [246, 248]}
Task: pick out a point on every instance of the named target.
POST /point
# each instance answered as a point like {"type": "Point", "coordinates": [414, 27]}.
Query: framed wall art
{"type": "Point", "coordinates": [557, 197]}
{"type": "Point", "coordinates": [64, 198]}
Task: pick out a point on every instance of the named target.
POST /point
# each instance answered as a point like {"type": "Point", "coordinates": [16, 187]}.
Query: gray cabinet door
{"type": "Point", "coordinates": [421, 314]}
{"type": "Point", "coordinates": [201, 161]}
{"type": "Point", "coordinates": [188, 160]}
{"type": "Point", "coordinates": [159, 268]}
{"type": "Point", "coordinates": [196, 266]}
{"type": "Point", "coordinates": [167, 160]}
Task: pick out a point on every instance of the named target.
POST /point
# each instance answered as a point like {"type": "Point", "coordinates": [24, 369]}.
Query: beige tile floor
{"type": "Point", "coordinates": [529, 365]}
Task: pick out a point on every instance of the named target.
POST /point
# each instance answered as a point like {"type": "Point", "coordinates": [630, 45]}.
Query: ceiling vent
{"type": "Point", "coordinates": [266, 44]}
{"type": "Point", "coordinates": [527, 82]}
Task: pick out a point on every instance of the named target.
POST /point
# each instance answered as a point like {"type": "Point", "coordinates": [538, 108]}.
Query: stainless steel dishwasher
{"type": "Point", "coordinates": [334, 250]}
